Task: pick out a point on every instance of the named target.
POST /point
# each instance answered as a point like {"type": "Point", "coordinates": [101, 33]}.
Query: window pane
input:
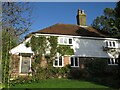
{"type": "Point", "coordinates": [56, 62]}
{"type": "Point", "coordinates": [61, 40]}
{"type": "Point", "coordinates": [76, 61]}
{"type": "Point", "coordinates": [112, 60]}
{"type": "Point", "coordinates": [113, 44]}
{"type": "Point", "coordinates": [70, 41]}
{"type": "Point", "coordinates": [116, 61]}
{"type": "Point", "coordinates": [72, 62]}
{"type": "Point", "coordinates": [106, 44]}
{"type": "Point", "coordinates": [110, 43]}
{"type": "Point", "coordinates": [60, 61]}
{"type": "Point", "coordinates": [65, 41]}
{"type": "Point", "coordinates": [108, 61]}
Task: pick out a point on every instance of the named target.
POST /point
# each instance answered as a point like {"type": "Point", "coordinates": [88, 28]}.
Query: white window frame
{"type": "Point", "coordinates": [74, 61]}
{"type": "Point", "coordinates": [63, 41]}
{"type": "Point", "coordinates": [107, 44]}
{"type": "Point", "coordinates": [113, 61]}
{"type": "Point", "coordinates": [58, 62]}
{"type": "Point", "coordinates": [20, 65]}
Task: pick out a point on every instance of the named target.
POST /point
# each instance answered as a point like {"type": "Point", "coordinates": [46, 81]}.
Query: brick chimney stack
{"type": "Point", "coordinates": [81, 18]}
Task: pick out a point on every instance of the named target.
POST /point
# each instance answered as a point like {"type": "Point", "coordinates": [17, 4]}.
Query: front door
{"type": "Point", "coordinates": [25, 67]}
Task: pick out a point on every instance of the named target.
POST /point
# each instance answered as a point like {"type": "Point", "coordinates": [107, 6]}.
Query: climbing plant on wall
{"type": "Point", "coordinates": [65, 50]}
{"type": "Point", "coordinates": [38, 46]}
{"type": "Point", "coordinates": [53, 44]}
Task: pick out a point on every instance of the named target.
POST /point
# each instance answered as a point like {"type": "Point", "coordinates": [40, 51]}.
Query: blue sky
{"type": "Point", "coordinates": [46, 14]}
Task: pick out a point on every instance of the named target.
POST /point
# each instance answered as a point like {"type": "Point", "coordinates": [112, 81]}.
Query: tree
{"type": "Point", "coordinates": [109, 22]}
{"type": "Point", "coordinates": [15, 23]}
{"type": "Point", "coordinates": [106, 22]}
{"type": "Point", "coordinates": [117, 17]}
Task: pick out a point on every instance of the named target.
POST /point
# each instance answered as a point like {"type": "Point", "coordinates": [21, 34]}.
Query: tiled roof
{"type": "Point", "coordinates": [69, 29]}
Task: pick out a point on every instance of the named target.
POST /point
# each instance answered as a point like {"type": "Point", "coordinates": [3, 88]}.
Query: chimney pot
{"type": "Point", "coordinates": [81, 18]}
{"type": "Point", "coordinates": [82, 11]}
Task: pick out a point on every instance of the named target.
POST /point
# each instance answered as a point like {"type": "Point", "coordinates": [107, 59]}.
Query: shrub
{"type": "Point", "coordinates": [96, 67]}
{"type": "Point", "coordinates": [79, 73]}
{"type": "Point", "coordinates": [21, 80]}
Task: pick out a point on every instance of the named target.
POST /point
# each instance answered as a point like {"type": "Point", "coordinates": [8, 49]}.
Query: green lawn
{"type": "Point", "coordinates": [60, 83]}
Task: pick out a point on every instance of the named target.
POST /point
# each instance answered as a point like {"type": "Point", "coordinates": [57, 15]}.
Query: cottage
{"type": "Point", "coordinates": [86, 42]}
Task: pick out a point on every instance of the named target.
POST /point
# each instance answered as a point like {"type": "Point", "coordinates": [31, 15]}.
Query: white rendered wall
{"type": "Point", "coordinates": [21, 48]}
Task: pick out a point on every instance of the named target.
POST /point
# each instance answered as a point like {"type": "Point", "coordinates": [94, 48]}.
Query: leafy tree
{"type": "Point", "coordinates": [109, 21]}
{"type": "Point", "coordinates": [15, 23]}
{"type": "Point", "coordinates": [106, 21]}
{"type": "Point", "coordinates": [117, 17]}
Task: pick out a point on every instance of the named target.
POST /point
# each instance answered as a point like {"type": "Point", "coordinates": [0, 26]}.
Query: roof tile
{"type": "Point", "coordinates": [69, 29]}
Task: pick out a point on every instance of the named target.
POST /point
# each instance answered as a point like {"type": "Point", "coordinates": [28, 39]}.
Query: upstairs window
{"type": "Point", "coordinates": [66, 41]}
{"type": "Point", "coordinates": [111, 44]}
{"type": "Point", "coordinates": [113, 61]}
{"type": "Point", "coordinates": [70, 41]}
{"type": "Point", "coordinates": [61, 40]}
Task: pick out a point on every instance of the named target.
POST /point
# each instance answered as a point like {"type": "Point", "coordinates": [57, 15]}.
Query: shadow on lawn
{"type": "Point", "coordinates": [106, 81]}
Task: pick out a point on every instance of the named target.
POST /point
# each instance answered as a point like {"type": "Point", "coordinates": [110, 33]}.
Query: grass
{"type": "Point", "coordinates": [59, 83]}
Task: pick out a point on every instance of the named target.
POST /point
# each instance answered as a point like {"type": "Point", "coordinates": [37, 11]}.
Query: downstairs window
{"type": "Point", "coordinates": [58, 62]}
{"type": "Point", "coordinates": [113, 61]}
{"type": "Point", "coordinates": [74, 61]}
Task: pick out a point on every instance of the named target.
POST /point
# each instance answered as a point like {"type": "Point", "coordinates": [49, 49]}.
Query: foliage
{"type": "Point", "coordinates": [109, 22]}
{"type": "Point", "coordinates": [21, 80]}
{"type": "Point", "coordinates": [105, 22]}
{"type": "Point", "coordinates": [50, 72]}
{"type": "Point", "coordinates": [15, 23]}
{"type": "Point", "coordinates": [65, 50]}
{"type": "Point", "coordinates": [79, 73]}
{"type": "Point", "coordinates": [53, 45]}
{"type": "Point", "coordinates": [16, 15]}
{"type": "Point", "coordinates": [27, 44]}
{"type": "Point", "coordinates": [38, 46]}
{"type": "Point", "coordinates": [96, 67]}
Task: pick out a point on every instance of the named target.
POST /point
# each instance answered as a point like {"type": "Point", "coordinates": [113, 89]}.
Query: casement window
{"type": "Point", "coordinates": [70, 41]}
{"type": "Point", "coordinates": [58, 62]}
{"type": "Point", "coordinates": [111, 44]}
{"type": "Point", "coordinates": [61, 40]}
{"type": "Point", "coordinates": [74, 61]}
{"type": "Point", "coordinates": [65, 41]}
{"type": "Point", "coordinates": [112, 61]}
